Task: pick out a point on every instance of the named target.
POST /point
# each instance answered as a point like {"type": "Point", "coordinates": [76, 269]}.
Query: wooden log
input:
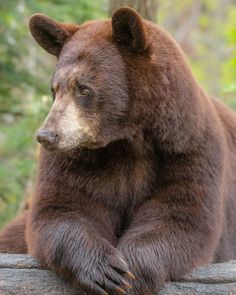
{"type": "Point", "coordinates": [23, 275]}
{"type": "Point", "coordinates": [215, 279]}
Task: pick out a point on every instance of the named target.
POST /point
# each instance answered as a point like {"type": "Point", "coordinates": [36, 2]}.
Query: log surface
{"type": "Point", "coordinates": [23, 275]}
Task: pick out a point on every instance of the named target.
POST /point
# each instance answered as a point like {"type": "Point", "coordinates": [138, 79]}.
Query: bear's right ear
{"type": "Point", "coordinates": [49, 34]}
{"type": "Point", "coordinates": [128, 30]}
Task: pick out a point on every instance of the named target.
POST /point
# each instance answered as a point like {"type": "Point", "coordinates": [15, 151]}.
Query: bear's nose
{"type": "Point", "coordinates": [46, 137]}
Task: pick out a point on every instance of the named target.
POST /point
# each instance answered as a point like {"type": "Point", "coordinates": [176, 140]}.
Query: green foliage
{"type": "Point", "coordinates": [223, 29]}
{"type": "Point", "coordinates": [229, 66]}
{"type": "Point", "coordinates": [25, 71]}
{"type": "Point", "coordinates": [206, 30]}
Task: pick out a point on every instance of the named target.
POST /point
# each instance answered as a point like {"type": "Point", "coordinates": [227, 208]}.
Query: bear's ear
{"type": "Point", "coordinates": [128, 30]}
{"type": "Point", "coordinates": [49, 34]}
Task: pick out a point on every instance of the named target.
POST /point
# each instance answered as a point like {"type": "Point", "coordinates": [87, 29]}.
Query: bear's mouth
{"type": "Point", "coordinates": [85, 146]}
{"type": "Point", "coordinates": [50, 148]}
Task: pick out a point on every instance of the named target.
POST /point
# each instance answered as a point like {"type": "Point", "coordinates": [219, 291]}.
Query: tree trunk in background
{"type": "Point", "coordinates": [147, 8]}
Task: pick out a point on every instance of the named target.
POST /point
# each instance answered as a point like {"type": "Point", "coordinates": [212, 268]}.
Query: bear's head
{"type": "Point", "coordinates": [111, 80]}
{"type": "Point", "coordinates": [90, 84]}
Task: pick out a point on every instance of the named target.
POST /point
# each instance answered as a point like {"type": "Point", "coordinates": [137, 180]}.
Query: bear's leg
{"type": "Point", "coordinates": [78, 244]}
{"type": "Point", "coordinates": [165, 241]}
{"type": "Point", "coordinates": [12, 237]}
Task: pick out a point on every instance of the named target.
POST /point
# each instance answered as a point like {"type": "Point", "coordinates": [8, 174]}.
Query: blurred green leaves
{"type": "Point", "coordinates": [25, 73]}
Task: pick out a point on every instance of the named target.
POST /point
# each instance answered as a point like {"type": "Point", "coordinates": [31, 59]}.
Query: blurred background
{"type": "Point", "coordinates": [205, 29]}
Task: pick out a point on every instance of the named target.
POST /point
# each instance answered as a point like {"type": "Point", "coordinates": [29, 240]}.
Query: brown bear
{"type": "Point", "coordinates": [137, 177]}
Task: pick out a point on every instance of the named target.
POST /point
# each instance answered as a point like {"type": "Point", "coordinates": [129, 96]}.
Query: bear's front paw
{"type": "Point", "coordinates": [105, 274]}
{"type": "Point", "coordinates": [144, 265]}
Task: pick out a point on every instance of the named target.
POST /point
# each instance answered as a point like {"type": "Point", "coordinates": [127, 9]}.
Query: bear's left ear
{"type": "Point", "coordinates": [128, 29]}
{"type": "Point", "coordinates": [50, 34]}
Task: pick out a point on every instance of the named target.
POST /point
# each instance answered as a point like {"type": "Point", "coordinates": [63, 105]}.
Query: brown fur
{"type": "Point", "coordinates": [12, 236]}
{"type": "Point", "coordinates": [152, 192]}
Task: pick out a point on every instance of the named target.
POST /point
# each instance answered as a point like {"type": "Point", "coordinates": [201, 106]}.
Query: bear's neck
{"type": "Point", "coordinates": [182, 111]}
{"type": "Point", "coordinates": [119, 169]}
{"type": "Point", "coordinates": [116, 152]}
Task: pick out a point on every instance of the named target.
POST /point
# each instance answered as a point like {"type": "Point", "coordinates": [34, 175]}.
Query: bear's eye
{"type": "Point", "coordinates": [84, 91]}
{"type": "Point", "coordinates": [83, 95]}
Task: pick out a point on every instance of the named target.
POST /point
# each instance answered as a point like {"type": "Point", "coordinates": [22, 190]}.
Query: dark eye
{"type": "Point", "coordinates": [84, 91]}
{"type": "Point", "coordinates": [83, 96]}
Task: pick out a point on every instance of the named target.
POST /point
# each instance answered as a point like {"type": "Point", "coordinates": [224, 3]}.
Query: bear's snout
{"type": "Point", "coordinates": [47, 138]}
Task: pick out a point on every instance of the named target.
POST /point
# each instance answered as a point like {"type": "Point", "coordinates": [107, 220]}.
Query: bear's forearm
{"type": "Point", "coordinates": [157, 258]}
{"type": "Point", "coordinates": [64, 236]}
{"type": "Point", "coordinates": [165, 244]}
{"type": "Point", "coordinates": [75, 250]}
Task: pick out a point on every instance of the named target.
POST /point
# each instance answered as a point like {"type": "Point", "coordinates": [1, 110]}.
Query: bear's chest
{"type": "Point", "coordinates": [119, 183]}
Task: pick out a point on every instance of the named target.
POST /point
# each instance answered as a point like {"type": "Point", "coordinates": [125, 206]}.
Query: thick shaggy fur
{"type": "Point", "coordinates": [12, 238]}
{"type": "Point", "coordinates": [157, 197]}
